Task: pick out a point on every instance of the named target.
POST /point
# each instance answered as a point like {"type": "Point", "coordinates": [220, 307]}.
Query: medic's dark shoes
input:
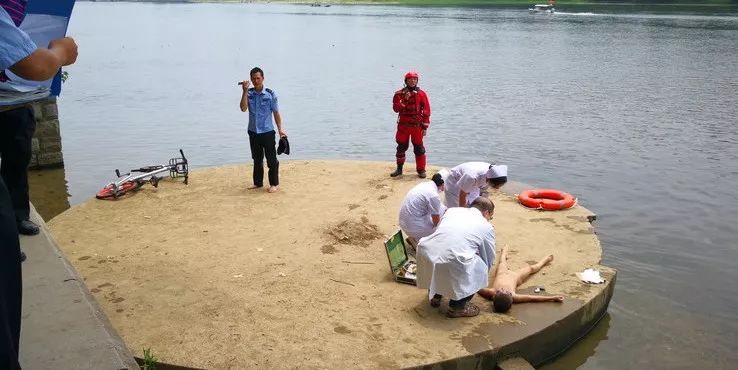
{"type": "Point", "coordinates": [421, 174]}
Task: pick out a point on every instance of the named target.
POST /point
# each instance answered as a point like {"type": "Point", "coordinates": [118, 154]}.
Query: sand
{"type": "Point", "coordinates": [213, 275]}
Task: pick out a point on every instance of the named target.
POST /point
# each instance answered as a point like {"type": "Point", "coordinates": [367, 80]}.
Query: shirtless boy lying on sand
{"type": "Point", "coordinates": [502, 293]}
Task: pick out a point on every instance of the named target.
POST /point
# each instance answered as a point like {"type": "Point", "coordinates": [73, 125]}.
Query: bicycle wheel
{"type": "Point", "coordinates": [109, 192]}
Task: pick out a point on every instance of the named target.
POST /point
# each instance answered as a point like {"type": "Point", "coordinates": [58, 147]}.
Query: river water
{"type": "Point", "coordinates": [633, 113]}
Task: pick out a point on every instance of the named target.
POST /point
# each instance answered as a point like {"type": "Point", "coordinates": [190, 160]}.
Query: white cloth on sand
{"type": "Point", "coordinates": [469, 177]}
{"type": "Point", "coordinates": [591, 276]}
{"type": "Point", "coordinates": [421, 202]}
{"type": "Point", "coordinates": [455, 260]}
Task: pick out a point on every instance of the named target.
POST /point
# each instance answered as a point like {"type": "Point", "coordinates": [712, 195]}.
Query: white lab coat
{"type": "Point", "coordinates": [455, 260]}
{"type": "Point", "coordinates": [471, 177]}
{"type": "Point", "coordinates": [421, 202]}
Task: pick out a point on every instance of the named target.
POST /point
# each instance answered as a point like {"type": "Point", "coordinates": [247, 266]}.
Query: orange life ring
{"type": "Point", "coordinates": [548, 199]}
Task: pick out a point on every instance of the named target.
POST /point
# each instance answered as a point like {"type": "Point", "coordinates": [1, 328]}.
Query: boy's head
{"type": "Point", "coordinates": [502, 301]}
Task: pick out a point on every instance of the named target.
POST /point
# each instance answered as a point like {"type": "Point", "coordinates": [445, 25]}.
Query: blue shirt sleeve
{"type": "Point", "coordinates": [14, 43]}
{"type": "Point", "coordinates": [275, 104]}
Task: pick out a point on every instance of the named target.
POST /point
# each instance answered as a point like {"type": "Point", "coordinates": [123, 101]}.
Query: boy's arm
{"type": "Point", "coordinates": [525, 298]}
{"type": "Point", "coordinates": [487, 293]}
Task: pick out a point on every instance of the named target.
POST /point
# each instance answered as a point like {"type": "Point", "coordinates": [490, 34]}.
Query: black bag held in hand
{"type": "Point", "coordinates": [284, 146]}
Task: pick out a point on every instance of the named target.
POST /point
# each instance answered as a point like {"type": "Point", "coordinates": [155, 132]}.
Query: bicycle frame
{"type": "Point", "coordinates": [177, 167]}
{"type": "Point", "coordinates": [129, 177]}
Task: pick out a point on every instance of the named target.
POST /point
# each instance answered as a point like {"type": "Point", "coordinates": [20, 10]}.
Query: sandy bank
{"type": "Point", "coordinates": [214, 275]}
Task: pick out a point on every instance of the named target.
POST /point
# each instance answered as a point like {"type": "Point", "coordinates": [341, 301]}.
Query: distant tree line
{"type": "Point", "coordinates": [560, 2]}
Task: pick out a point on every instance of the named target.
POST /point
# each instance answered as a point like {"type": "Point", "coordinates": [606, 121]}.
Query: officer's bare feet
{"type": "Point", "coordinates": [272, 189]}
{"type": "Point", "coordinates": [252, 187]}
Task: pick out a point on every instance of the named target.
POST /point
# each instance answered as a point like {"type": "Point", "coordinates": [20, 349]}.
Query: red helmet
{"type": "Point", "coordinates": [411, 74]}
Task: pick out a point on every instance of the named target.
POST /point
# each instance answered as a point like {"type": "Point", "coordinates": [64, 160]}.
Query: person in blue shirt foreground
{"type": "Point", "coordinates": [18, 123]}
{"type": "Point", "coordinates": [19, 54]}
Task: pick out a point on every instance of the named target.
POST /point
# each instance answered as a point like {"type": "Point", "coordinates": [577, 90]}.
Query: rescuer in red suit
{"type": "Point", "coordinates": [413, 108]}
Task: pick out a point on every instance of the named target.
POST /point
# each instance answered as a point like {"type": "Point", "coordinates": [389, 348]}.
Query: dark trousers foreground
{"type": "Point", "coordinates": [10, 283]}
{"type": "Point", "coordinates": [16, 131]}
{"type": "Point", "coordinates": [261, 145]}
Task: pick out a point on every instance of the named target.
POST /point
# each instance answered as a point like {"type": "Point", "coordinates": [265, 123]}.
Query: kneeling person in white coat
{"type": "Point", "coordinates": [422, 209]}
{"type": "Point", "coordinates": [469, 180]}
{"type": "Point", "coordinates": [455, 260]}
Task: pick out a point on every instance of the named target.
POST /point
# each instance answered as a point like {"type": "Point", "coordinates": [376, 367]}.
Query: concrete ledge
{"type": "Point", "coordinates": [515, 363]}
{"type": "Point", "coordinates": [551, 341]}
{"type": "Point", "coordinates": [63, 326]}
{"type": "Point", "coordinates": [549, 331]}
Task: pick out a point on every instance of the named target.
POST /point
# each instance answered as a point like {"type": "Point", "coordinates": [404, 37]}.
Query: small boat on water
{"type": "Point", "coordinates": [542, 8]}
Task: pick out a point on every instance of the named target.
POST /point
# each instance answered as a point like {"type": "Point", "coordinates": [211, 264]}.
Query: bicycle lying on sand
{"type": "Point", "coordinates": [129, 182]}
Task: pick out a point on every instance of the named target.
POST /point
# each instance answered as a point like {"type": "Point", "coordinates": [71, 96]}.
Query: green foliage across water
{"type": "Point", "coordinates": [710, 6]}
